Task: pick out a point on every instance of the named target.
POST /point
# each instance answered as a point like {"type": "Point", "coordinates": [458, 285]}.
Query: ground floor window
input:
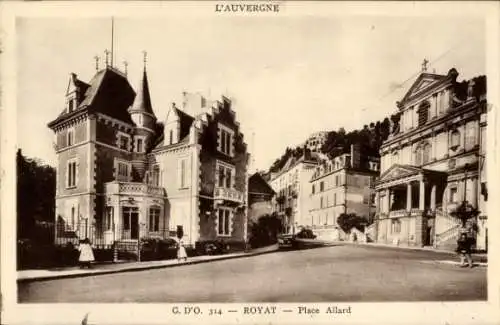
{"type": "Point", "coordinates": [223, 216]}
{"type": "Point", "coordinates": [154, 219]}
{"type": "Point", "coordinates": [395, 226]}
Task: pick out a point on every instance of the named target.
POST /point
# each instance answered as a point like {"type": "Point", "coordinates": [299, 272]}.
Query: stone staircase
{"type": "Point", "coordinates": [447, 239]}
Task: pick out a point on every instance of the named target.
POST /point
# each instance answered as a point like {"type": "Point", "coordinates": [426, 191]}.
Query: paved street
{"type": "Point", "coordinates": [339, 273]}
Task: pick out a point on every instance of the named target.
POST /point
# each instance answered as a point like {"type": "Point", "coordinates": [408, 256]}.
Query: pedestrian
{"type": "Point", "coordinates": [464, 250]}
{"type": "Point", "coordinates": [181, 252]}
{"type": "Point", "coordinates": [86, 254]}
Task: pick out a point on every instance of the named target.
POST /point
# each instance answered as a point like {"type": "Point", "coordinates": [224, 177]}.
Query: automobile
{"type": "Point", "coordinates": [306, 234]}
{"type": "Point", "coordinates": [286, 240]}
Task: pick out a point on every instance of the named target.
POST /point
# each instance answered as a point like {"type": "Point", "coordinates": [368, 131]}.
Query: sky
{"type": "Point", "coordinates": [288, 76]}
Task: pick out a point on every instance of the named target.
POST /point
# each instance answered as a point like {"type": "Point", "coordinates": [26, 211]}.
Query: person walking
{"type": "Point", "coordinates": [464, 250]}
{"type": "Point", "coordinates": [86, 254]}
{"type": "Point", "coordinates": [181, 251]}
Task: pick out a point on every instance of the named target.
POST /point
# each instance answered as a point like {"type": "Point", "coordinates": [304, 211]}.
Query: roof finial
{"type": "Point", "coordinates": [424, 65]}
{"type": "Point", "coordinates": [125, 63]}
{"type": "Point", "coordinates": [145, 54]}
{"type": "Point", "coordinates": [106, 52]}
{"type": "Point", "coordinates": [96, 58]}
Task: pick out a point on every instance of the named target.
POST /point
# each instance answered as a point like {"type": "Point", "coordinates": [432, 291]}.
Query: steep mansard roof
{"type": "Point", "coordinates": [109, 92]}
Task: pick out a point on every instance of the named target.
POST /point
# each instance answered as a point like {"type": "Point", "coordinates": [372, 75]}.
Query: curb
{"type": "Point", "coordinates": [138, 268]}
{"type": "Point", "coordinates": [375, 245]}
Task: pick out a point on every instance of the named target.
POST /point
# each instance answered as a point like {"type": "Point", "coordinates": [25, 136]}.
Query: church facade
{"type": "Point", "coordinates": [122, 176]}
{"type": "Point", "coordinates": [433, 162]}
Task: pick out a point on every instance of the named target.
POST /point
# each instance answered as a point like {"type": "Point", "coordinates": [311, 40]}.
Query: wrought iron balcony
{"type": "Point", "coordinates": [132, 188]}
{"type": "Point", "coordinates": [229, 194]}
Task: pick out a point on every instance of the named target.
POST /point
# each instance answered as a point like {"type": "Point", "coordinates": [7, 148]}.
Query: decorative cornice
{"type": "Point", "coordinates": [435, 125]}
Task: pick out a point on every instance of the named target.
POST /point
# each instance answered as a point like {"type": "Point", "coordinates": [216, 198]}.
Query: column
{"type": "Point", "coordinates": [391, 200]}
{"type": "Point", "coordinates": [421, 203]}
{"type": "Point", "coordinates": [433, 197]}
{"type": "Point", "coordinates": [377, 203]}
{"type": "Point", "coordinates": [387, 200]}
{"type": "Point", "coordinates": [474, 186]}
{"type": "Point", "coordinates": [408, 197]}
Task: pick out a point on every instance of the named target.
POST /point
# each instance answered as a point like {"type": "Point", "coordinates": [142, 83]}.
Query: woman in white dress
{"type": "Point", "coordinates": [181, 252]}
{"type": "Point", "coordinates": [86, 254]}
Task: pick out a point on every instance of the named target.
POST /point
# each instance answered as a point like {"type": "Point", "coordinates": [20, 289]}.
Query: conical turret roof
{"type": "Point", "coordinates": [142, 101]}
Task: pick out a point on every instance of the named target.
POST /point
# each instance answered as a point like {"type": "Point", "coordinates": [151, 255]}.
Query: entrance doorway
{"type": "Point", "coordinates": [130, 218]}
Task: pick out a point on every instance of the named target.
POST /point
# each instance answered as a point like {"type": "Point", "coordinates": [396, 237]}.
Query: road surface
{"type": "Point", "coordinates": [339, 273]}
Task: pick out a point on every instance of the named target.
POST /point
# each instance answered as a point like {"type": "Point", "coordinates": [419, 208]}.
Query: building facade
{"type": "Point", "coordinates": [124, 177]}
{"type": "Point", "coordinates": [316, 141]}
{"type": "Point", "coordinates": [260, 197]}
{"type": "Point", "coordinates": [342, 185]}
{"type": "Point", "coordinates": [291, 184]}
{"type": "Point", "coordinates": [431, 163]}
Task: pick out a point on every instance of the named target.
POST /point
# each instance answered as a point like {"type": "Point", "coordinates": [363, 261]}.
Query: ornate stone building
{"type": "Point", "coordinates": [432, 162]}
{"type": "Point", "coordinates": [122, 177]}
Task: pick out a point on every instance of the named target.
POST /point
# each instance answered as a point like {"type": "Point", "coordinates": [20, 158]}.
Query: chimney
{"type": "Point", "coordinates": [355, 156]}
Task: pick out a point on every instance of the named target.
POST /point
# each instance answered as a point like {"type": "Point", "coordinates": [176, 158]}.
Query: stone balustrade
{"type": "Point", "coordinates": [133, 188]}
{"type": "Point", "coordinates": [228, 194]}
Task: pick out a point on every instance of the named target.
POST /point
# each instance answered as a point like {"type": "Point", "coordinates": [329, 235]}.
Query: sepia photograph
{"type": "Point", "coordinates": [251, 156]}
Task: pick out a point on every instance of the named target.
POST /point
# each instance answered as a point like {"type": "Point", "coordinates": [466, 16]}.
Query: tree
{"type": "Point", "coordinates": [36, 184]}
{"type": "Point", "coordinates": [347, 221]}
{"type": "Point", "coordinates": [265, 230]}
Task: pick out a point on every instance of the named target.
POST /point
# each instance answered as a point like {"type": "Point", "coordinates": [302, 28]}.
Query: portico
{"type": "Point", "coordinates": [407, 200]}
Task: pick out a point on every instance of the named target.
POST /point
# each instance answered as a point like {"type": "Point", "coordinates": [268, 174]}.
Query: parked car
{"type": "Point", "coordinates": [306, 234]}
{"type": "Point", "coordinates": [285, 240]}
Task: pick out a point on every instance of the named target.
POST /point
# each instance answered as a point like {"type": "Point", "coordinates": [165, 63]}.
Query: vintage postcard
{"type": "Point", "coordinates": [249, 162]}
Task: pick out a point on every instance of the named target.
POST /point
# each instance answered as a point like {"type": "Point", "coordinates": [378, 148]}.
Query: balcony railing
{"type": "Point", "coordinates": [132, 188]}
{"type": "Point", "coordinates": [228, 194]}
{"type": "Point", "coordinates": [398, 213]}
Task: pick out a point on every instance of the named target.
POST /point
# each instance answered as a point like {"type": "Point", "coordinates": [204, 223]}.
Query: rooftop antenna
{"type": "Point", "coordinates": [112, 39]}
{"type": "Point", "coordinates": [96, 58]}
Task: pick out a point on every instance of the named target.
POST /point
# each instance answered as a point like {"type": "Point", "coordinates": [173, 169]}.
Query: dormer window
{"type": "Point", "coordinates": [71, 105]}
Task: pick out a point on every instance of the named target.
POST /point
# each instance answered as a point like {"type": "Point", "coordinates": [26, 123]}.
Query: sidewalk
{"type": "Point", "coordinates": [482, 259]}
{"type": "Point", "coordinates": [109, 268]}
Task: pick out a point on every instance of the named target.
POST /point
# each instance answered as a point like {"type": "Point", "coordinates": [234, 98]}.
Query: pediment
{"type": "Point", "coordinates": [424, 81]}
{"type": "Point", "coordinates": [399, 171]}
